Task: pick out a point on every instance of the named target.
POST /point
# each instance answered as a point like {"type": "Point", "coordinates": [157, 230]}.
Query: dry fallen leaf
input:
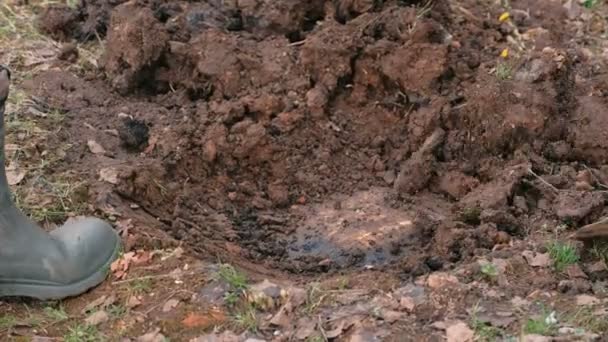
{"type": "Point", "coordinates": [153, 336]}
{"type": "Point", "coordinates": [305, 328]}
{"type": "Point", "coordinates": [103, 302]}
{"type": "Point", "coordinates": [170, 305]}
{"type": "Point", "coordinates": [537, 259]}
{"type": "Point", "coordinates": [440, 279]}
{"type": "Point", "coordinates": [226, 336]}
{"type": "Point", "coordinates": [407, 303]}
{"type": "Point", "coordinates": [132, 302]}
{"type": "Point", "coordinates": [14, 177]}
{"type": "Point", "coordinates": [95, 147]}
{"type": "Point", "coordinates": [97, 318]}
{"type": "Point", "coordinates": [204, 320]}
{"type": "Point", "coordinates": [120, 267]}
{"type": "Point", "coordinates": [109, 175]}
{"type": "Point", "coordinates": [586, 300]}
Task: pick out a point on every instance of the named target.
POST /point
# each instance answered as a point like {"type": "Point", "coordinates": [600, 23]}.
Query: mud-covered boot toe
{"type": "Point", "coordinates": [90, 245]}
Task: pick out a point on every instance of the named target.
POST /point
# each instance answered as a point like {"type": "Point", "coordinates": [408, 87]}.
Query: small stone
{"type": "Point", "coordinates": [97, 318]}
{"type": "Point", "coordinates": [459, 332]}
{"type": "Point", "coordinates": [95, 147]}
{"type": "Point", "coordinates": [389, 177]}
{"type": "Point", "coordinates": [232, 196]}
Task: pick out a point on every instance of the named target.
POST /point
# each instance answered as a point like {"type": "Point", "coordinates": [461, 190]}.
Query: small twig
{"type": "Point", "coordinates": [321, 329]}
{"type": "Point", "coordinates": [160, 276]}
{"type": "Point", "coordinates": [298, 43]}
{"type": "Point", "coordinates": [543, 181]}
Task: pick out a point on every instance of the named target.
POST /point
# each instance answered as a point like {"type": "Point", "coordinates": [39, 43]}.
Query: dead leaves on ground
{"type": "Point", "coordinates": [121, 266]}
{"type": "Point", "coordinates": [206, 320]}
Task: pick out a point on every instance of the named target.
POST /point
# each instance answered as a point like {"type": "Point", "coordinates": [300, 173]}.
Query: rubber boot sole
{"type": "Point", "coordinates": [21, 288]}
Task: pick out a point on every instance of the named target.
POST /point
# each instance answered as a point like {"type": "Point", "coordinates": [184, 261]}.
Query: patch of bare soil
{"type": "Point", "coordinates": [335, 136]}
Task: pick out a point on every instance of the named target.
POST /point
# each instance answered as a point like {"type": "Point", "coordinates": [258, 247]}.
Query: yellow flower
{"type": "Point", "coordinates": [504, 53]}
{"type": "Point", "coordinates": [504, 17]}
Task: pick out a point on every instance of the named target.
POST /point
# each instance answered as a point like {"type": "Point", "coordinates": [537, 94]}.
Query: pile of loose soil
{"type": "Point", "coordinates": [320, 135]}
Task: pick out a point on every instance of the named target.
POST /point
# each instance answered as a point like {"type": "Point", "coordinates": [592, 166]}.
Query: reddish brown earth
{"type": "Point", "coordinates": [259, 110]}
{"type": "Point", "coordinates": [312, 137]}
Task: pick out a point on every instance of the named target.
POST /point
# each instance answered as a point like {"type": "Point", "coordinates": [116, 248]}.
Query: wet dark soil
{"type": "Point", "coordinates": [311, 136]}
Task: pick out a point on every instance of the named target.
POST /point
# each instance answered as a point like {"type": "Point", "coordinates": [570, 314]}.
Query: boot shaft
{"type": "Point", "coordinates": [5, 192]}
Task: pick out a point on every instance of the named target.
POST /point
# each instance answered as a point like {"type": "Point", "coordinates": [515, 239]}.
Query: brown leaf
{"type": "Point", "coordinates": [440, 279]}
{"type": "Point", "coordinates": [537, 259]}
{"type": "Point", "coordinates": [204, 320]}
{"type": "Point", "coordinates": [153, 336]}
{"type": "Point", "coordinates": [226, 336]}
{"type": "Point", "coordinates": [97, 318]}
{"type": "Point", "coordinates": [109, 174]}
{"type": "Point", "coordinates": [14, 177]}
{"type": "Point", "coordinates": [170, 305]}
{"type": "Point", "coordinates": [575, 271]}
{"type": "Point", "coordinates": [103, 302]}
{"type": "Point", "coordinates": [132, 302]}
{"type": "Point", "coordinates": [283, 317]}
{"type": "Point", "coordinates": [305, 328]}
{"type": "Point", "coordinates": [120, 267]}
{"type": "Point", "coordinates": [583, 300]}
{"type": "Point", "coordinates": [407, 303]}
{"type": "Point", "coordinates": [95, 147]}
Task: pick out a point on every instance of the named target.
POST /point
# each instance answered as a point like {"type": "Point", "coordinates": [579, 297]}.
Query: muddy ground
{"type": "Point", "coordinates": [423, 164]}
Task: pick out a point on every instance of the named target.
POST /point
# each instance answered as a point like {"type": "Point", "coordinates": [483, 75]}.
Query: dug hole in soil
{"type": "Point", "coordinates": [315, 136]}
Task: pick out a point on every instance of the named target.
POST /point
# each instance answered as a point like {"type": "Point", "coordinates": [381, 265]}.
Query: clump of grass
{"type": "Point", "coordinates": [83, 333]}
{"type": "Point", "coordinates": [563, 255]}
{"type": "Point", "coordinates": [315, 338]}
{"type": "Point", "coordinates": [600, 252]}
{"type": "Point", "coordinates": [471, 215]}
{"type": "Point", "coordinates": [315, 296]}
{"type": "Point", "coordinates": [588, 320]}
{"type": "Point", "coordinates": [486, 333]}
{"type": "Point", "coordinates": [483, 331]}
{"type": "Point", "coordinates": [143, 285]}
{"type": "Point", "coordinates": [117, 311]}
{"type": "Point", "coordinates": [540, 326]}
{"type": "Point", "coordinates": [503, 71]}
{"type": "Point", "coordinates": [246, 319]}
{"type": "Point", "coordinates": [56, 315]}
{"type": "Point", "coordinates": [590, 3]}
{"type": "Point", "coordinates": [236, 281]}
{"type": "Point", "coordinates": [7, 322]}
{"type": "Point", "coordinates": [489, 270]}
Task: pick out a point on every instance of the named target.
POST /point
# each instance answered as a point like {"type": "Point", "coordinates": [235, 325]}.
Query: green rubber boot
{"type": "Point", "coordinates": [63, 263]}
